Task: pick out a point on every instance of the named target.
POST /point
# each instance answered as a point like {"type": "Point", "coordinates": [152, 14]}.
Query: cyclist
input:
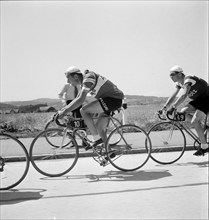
{"type": "Point", "coordinates": [67, 94]}
{"type": "Point", "coordinates": [107, 98]}
{"type": "Point", "coordinates": [197, 90]}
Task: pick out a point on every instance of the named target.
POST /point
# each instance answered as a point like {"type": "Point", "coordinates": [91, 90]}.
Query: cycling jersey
{"type": "Point", "coordinates": [100, 87]}
{"type": "Point", "coordinates": [199, 87]}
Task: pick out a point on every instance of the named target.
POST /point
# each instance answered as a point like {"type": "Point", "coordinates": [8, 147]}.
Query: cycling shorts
{"type": "Point", "coordinates": [201, 103]}
{"type": "Point", "coordinates": [109, 104]}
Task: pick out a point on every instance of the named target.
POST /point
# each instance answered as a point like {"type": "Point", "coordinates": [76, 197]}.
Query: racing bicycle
{"type": "Point", "coordinates": [171, 135]}
{"type": "Point", "coordinates": [75, 123]}
{"type": "Point", "coordinates": [127, 148]}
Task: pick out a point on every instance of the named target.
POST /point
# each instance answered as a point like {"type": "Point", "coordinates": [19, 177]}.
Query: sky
{"type": "Point", "coordinates": [132, 43]}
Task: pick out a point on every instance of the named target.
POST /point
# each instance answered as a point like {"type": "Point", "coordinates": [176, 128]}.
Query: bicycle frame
{"type": "Point", "coordinates": [84, 138]}
{"type": "Point", "coordinates": [188, 130]}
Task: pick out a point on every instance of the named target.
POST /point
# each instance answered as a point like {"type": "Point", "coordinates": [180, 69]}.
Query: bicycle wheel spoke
{"type": "Point", "coordinates": [50, 160]}
{"type": "Point", "coordinates": [133, 150]}
{"type": "Point", "coordinates": [14, 162]}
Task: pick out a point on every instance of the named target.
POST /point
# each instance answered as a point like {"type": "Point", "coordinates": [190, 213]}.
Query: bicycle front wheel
{"type": "Point", "coordinates": [14, 162]}
{"type": "Point", "coordinates": [168, 142]}
{"type": "Point", "coordinates": [133, 150]}
{"type": "Point", "coordinates": [51, 124]}
{"type": "Point", "coordinates": [54, 161]}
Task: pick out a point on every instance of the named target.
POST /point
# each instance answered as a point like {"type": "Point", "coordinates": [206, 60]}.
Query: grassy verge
{"type": "Point", "coordinates": [29, 124]}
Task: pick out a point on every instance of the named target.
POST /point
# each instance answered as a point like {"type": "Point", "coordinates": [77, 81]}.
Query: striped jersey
{"type": "Point", "coordinates": [100, 87]}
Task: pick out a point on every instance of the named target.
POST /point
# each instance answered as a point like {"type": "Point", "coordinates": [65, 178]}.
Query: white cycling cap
{"type": "Point", "coordinates": [72, 69]}
{"type": "Point", "coordinates": [176, 69]}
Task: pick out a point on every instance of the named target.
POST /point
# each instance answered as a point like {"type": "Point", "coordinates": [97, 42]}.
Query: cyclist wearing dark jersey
{"type": "Point", "coordinates": [107, 98]}
{"type": "Point", "coordinates": [197, 90]}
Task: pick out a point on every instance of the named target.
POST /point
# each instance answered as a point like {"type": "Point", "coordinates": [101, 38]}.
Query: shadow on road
{"type": "Point", "coordinates": [116, 176]}
{"type": "Point", "coordinates": [13, 196]}
{"type": "Point", "coordinates": [141, 175]}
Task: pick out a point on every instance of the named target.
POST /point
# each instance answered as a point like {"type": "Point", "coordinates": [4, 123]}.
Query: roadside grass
{"type": "Point", "coordinates": [31, 123]}
{"type": "Point", "coordinates": [24, 124]}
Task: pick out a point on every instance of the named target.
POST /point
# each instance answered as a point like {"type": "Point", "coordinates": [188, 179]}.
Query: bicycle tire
{"type": "Point", "coordinates": [50, 124]}
{"type": "Point", "coordinates": [53, 144]}
{"type": "Point", "coordinates": [133, 150]}
{"type": "Point", "coordinates": [51, 161]}
{"type": "Point", "coordinates": [167, 137]}
{"type": "Point", "coordinates": [14, 162]}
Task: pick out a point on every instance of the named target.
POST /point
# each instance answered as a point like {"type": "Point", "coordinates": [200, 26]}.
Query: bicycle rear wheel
{"type": "Point", "coordinates": [52, 161]}
{"type": "Point", "coordinates": [133, 150]}
{"type": "Point", "coordinates": [168, 142]}
{"type": "Point", "coordinates": [14, 162]}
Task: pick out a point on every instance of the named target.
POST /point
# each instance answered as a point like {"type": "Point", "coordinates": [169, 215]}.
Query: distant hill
{"type": "Point", "coordinates": [57, 104]}
{"type": "Point", "coordinates": [34, 102]}
{"type": "Point", "coordinates": [5, 106]}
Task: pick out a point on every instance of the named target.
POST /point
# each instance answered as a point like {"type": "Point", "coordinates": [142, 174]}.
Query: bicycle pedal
{"type": "Point", "coordinates": [88, 147]}
{"type": "Point", "coordinates": [104, 163]}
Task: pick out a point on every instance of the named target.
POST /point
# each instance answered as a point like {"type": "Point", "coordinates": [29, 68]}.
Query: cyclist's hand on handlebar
{"type": "Point", "coordinates": [162, 111]}
{"type": "Point", "coordinates": [58, 115]}
{"type": "Point", "coordinates": [171, 111]}
{"type": "Point", "coordinates": [162, 114]}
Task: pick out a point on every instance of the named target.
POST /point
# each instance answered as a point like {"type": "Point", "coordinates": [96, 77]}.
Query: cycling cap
{"type": "Point", "coordinates": [177, 69]}
{"type": "Point", "coordinates": [71, 70]}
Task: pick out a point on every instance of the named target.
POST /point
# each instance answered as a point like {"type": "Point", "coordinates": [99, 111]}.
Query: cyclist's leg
{"type": "Point", "coordinates": [101, 124]}
{"type": "Point", "coordinates": [87, 112]}
{"type": "Point", "coordinates": [202, 104]}
{"type": "Point", "coordinates": [194, 116]}
{"type": "Point", "coordinates": [108, 104]}
{"type": "Point", "coordinates": [101, 106]}
{"type": "Point", "coordinates": [196, 122]}
{"type": "Point", "coordinates": [188, 110]}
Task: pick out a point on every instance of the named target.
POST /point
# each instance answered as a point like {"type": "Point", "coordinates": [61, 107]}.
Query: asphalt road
{"type": "Point", "coordinates": [89, 191]}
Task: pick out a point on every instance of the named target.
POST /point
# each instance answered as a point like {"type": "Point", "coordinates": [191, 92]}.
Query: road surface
{"type": "Point", "coordinates": [89, 191]}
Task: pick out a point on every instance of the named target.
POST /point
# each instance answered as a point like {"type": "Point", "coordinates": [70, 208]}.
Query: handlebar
{"type": "Point", "coordinates": [56, 119]}
{"type": "Point", "coordinates": [176, 116]}
{"type": "Point", "coordinates": [160, 113]}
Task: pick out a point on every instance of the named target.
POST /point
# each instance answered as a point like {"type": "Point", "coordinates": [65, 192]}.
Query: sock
{"type": "Point", "coordinates": [96, 137]}
{"type": "Point", "coordinates": [204, 146]}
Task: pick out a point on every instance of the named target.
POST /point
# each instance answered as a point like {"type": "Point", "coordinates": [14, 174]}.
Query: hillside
{"type": "Point", "coordinates": [56, 103]}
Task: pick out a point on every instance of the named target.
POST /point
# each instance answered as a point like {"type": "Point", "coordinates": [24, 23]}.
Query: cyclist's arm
{"type": "Point", "coordinates": [183, 96]}
{"type": "Point", "coordinates": [78, 101]}
{"type": "Point", "coordinates": [172, 98]}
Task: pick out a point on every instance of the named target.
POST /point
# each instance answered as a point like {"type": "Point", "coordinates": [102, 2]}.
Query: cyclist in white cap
{"type": "Point", "coordinates": [107, 98]}
{"type": "Point", "coordinates": [197, 90]}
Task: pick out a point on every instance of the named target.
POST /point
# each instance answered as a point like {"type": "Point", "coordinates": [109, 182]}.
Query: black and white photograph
{"type": "Point", "coordinates": [104, 110]}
